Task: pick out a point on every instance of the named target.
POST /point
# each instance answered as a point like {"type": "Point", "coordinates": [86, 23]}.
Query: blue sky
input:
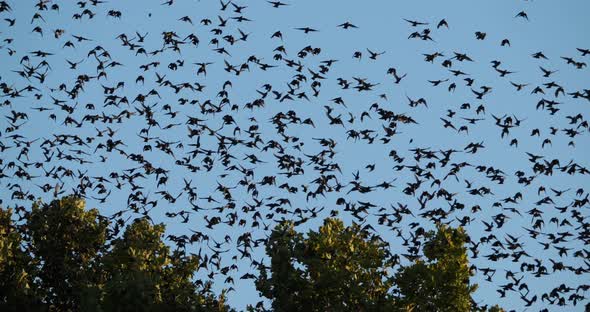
{"type": "Point", "coordinates": [556, 28]}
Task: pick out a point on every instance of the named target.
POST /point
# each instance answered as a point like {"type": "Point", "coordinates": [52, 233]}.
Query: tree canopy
{"type": "Point", "coordinates": [63, 257]}
{"type": "Point", "coordinates": [441, 281]}
{"type": "Point", "coordinates": [341, 268]}
{"type": "Point", "coordinates": [337, 268]}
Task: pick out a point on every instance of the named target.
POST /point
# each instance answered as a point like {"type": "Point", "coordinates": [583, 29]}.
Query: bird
{"type": "Point", "coordinates": [415, 23]}
{"type": "Point", "coordinates": [347, 25]}
{"type": "Point", "coordinates": [522, 14]}
{"type": "Point", "coordinates": [233, 123]}
{"type": "Point", "coordinates": [306, 29]}
{"type": "Point", "coordinates": [442, 23]}
{"type": "Point", "coordinates": [277, 4]}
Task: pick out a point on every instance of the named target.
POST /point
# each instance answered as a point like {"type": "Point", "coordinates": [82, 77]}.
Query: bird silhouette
{"type": "Point", "coordinates": [233, 120]}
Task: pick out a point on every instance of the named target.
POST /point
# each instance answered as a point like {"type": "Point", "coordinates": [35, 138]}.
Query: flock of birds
{"type": "Point", "coordinates": [174, 125]}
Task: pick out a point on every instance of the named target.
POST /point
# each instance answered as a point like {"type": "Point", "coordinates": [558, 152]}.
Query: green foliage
{"type": "Point", "coordinates": [66, 241]}
{"type": "Point", "coordinates": [143, 272]}
{"type": "Point", "coordinates": [71, 264]}
{"type": "Point", "coordinates": [343, 268]}
{"type": "Point", "coordinates": [496, 308]}
{"type": "Point", "coordinates": [337, 268]}
{"type": "Point", "coordinates": [64, 258]}
{"type": "Point", "coordinates": [17, 291]}
{"type": "Point", "coordinates": [441, 282]}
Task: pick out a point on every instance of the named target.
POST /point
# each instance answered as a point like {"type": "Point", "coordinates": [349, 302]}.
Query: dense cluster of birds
{"type": "Point", "coordinates": [194, 125]}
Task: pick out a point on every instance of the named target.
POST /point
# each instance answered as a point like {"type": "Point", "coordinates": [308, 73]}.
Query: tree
{"type": "Point", "coordinates": [441, 282]}
{"type": "Point", "coordinates": [64, 257]}
{"type": "Point", "coordinates": [66, 241]}
{"type": "Point", "coordinates": [17, 290]}
{"type": "Point", "coordinates": [72, 263]}
{"type": "Point", "coordinates": [343, 268]}
{"type": "Point", "coordinates": [496, 308]}
{"type": "Point", "coordinates": [337, 268]}
{"type": "Point", "coordinates": [143, 272]}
